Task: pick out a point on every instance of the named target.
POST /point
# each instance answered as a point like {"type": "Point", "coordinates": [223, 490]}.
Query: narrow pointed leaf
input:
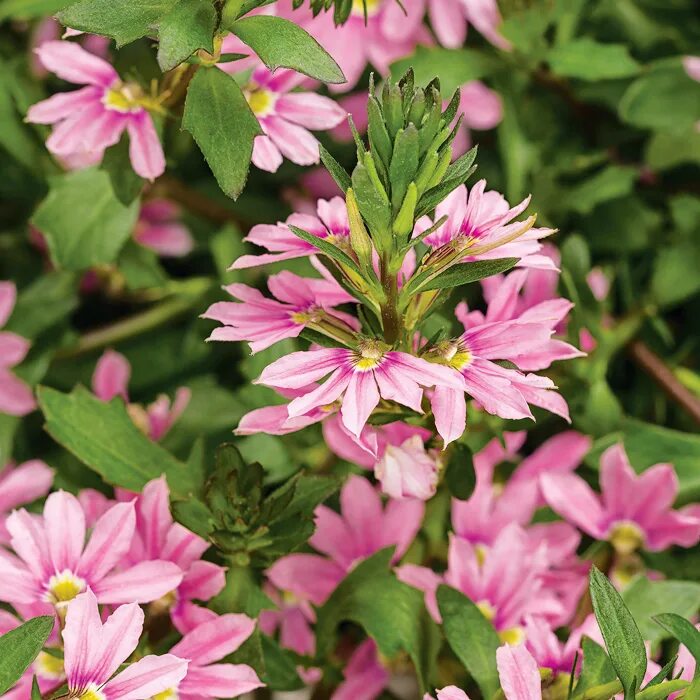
{"type": "Point", "coordinates": [20, 646]}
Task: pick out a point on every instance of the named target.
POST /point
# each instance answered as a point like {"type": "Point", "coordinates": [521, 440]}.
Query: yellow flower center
{"type": "Point", "coordinates": [64, 587]}
{"type": "Point", "coordinates": [48, 666]}
{"type": "Point", "coordinates": [163, 604]}
{"type": "Point", "coordinates": [512, 636]}
{"type": "Point", "coordinates": [261, 101]}
{"type": "Point", "coordinates": [481, 550]}
{"type": "Point", "coordinates": [627, 537]}
{"type": "Point", "coordinates": [487, 610]}
{"type": "Point", "coordinates": [358, 7]}
{"type": "Point", "coordinates": [123, 97]}
{"type": "Point", "coordinates": [170, 694]}
{"type": "Point", "coordinates": [370, 355]}
{"type": "Point", "coordinates": [454, 353]}
{"type": "Point", "coordinates": [92, 693]}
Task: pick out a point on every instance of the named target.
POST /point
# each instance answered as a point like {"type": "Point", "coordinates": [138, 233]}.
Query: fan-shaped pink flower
{"type": "Point", "coordinates": [158, 537]}
{"type": "Point", "coordinates": [481, 217]}
{"type": "Point", "coordinates": [361, 529]}
{"type": "Point", "coordinates": [361, 376]}
{"type": "Point", "coordinates": [16, 397]}
{"type": "Point", "coordinates": [633, 510]}
{"type": "Point", "coordinates": [264, 322]}
{"type": "Point", "coordinates": [331, 223]}
{"type": "Point", "coordinates": [90, 120]}
{"type": "Point", "coordinates": [206, 644]}
{"type": "Point", "coordinates": [111, 378]}
{"type": "Point", "coordinates": [53, 563]}
{"type": "Point", "coordinates": [159, 229]}
{"type": "Point", "coordinates": [388, 34]}
{"type": "Point", "coordinates": [94, 651]}
{"type": "Point", "coordinates": [20, 485]}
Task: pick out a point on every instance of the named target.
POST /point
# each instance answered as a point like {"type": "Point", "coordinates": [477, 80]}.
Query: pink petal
{"type": "Point", "coordinates": [71, 62]}
{"type": "Point", "coordinates": [66, 138]}
{"type": "Point", "coordinates": [266, 156]}
{"type": "Point", "coordinates": [326, 394]}
{"type": "Point", "coordinates": [294, 142]}
{"type": "Point", "coordinates": [147, 677]}
{"type": "Point", "coordinates": [572, 498]}
{"type": "Point", "coordinates": [310, 110]}
{"type": "Point", "coordinates": [62, 105]}
{"type": "Point", "coordinates": [448, 22]}
{"type": "Point", "coordinates": [16, 397]}
{"type": "Point", "coordinates": [168, 240]}
{"type": "Point", "coordinates": [17, 583]}
{"type": "Point", "coordinates": [202, 581]}
{"type": "Point", "coordinates": [8, 297]}
{"type": "Point", "coordinates": [30, 544]}
{"type": "Point", "coordinates": [401, 523]}
{"type": "Point", "coordinates": [120, 636]}
{"type": "Point", "coordinates": [24, 484]}
{"type": "Point", "coordinates": [519, 674]}
{"type": "Point", "coordinates": [111, 376]}
{"type": "Point", "coordinates": [361, 507]}
{"type": "Point", "coordinates": [213, 640]}
{"type": "Point", "coordinates": [182, 547]}
{"type": "Point", "coordinates": [220, 680]}
{"type": "Point", "coordinates": [308, 576]}
{"type": "Point", "coordinates": [333, 536]}
{"type": "Point", "coordinates": [618, 482]}
{"type": "Point", "coordinates": [482, 107]}
{"type": "Point", "coordinates": [301, 368]}
{"type": "Point", "coordinates": [451, 692]}
{"type": "Point", "coordinates": [82, 637]}
{"type": "Point", "coordinates": [64, 521]}
{"type": "Point", "coordinates": [142, 583]}
{"type": "Point", "coordinates": [361, 398]}
{"type": "Point", "coordinates": [13, 349]}
{"type": "Point", "coordinates": [561, 453]}
{"type": "Point", "coordinates": [450, 411]}
{"type": "Point", "coordinates": [145, 151]}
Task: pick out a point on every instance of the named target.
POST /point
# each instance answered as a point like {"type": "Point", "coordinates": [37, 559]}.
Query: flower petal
{"type": "Point", "coordinates": [142, 583]}
{"type": "Point", "coordinates": [146, 678]}
{"type": "Point", "coordinates": [73, 63]}
{"type": "Point", "coordinates": [213, 640]}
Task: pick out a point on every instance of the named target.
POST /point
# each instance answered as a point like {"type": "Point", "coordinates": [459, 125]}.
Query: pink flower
{"type": "Point", "coordinates": [450, 18]}
{"type": "Point", "coordinates": [518, 673]}
{"type": "Point", "coordinates": [285, 116]}
{"type": "Point", "coordinates": [692, 67]}
{"type": "Point", "coordinates": [90, 120]}
{"type": "Point", "coordinates": [264, 322]}
{"type": "Point", "coordinates": [485, 218]}
{"type": "Point", "coordinates": [93, 652]}
{"type": "Point", "coordinates": [491, 508]}
{"type": "Point", "coordinates": [388, 35]}
{"type": "Point", "coordinates": [408, 470]}
{"type": "Point", "coordinates": [361, 376]}
{"type": "Point", "coordinates": [16, 398]}
{"type": "Point", "coordinates": [481, 108]}
{"type": "Point", "coordinates": [210, 642]}
{"type": "Point", "coordinates": [293, 618]}
{"type": "Point", "coordinates": [633, 510]}
{"type": "Point", "coordinates": [499, 390]}
{"type": "Point", "coordinates": [158, 538]}
{"type": "Point", "coordinates": [330, 224]}
{"type": "Point", "coordinates": [111, 378]}
{"type": "Point", "coordinates": [53, 563]}
{"type": "Point", "coordinates": [20, 485]}
{"type": "Point", "coordinates": [547, 649]}
{"type": "Point", "coordinates": [451, 692]}
{"type": "Point", "coordinates": [158, 228]}
{"type": "Point", "coordinates": [361, 529]}
{"type": "Point", "coordinates": [365, 676]}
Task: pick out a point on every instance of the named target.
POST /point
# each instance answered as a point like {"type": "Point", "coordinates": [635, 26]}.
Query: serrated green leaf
{"type": "Point", "coordinates": [623, 639]}
{"type": "Point", "coordinates": [187, 27]}
{"type": "Point", "coordinates": [20, 646]}
{"type": "Point", "coordinates": [281, 43]}
{"type": "Point", "coordinates": [471, 636]}
{"type": "Point", "coordinates": [219, 118]}
{"type": "Point", "coordinates": [102, 436]}
{"type": "Point", "coordinates": [83, 222]}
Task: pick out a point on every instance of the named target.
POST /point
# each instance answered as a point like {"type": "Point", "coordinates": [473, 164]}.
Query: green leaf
{"type": "Point", "coordinates": [623, 640]}
{"type": "Point", "coordinates": [339, 174]}
{"type": "Point", "coordinates": [454, 67]}
{"type": "Point", "coordinates": [280, 666]}
{"type": "Point", "coordinates": [219, 118]}
{"type": "Point", "coordinates": [188, 27]}
{"type": "Point", "coordinates": [596, 669]}
{"type": "Point", "coordinates": [123, 20]}
{"type": "Point", "coordinates": [647, 599]}
{"type": "Point", "coordinates": [36, 692]}
{"type": "Point", "coordinates": [661, 691]}
{"type": "Point", "coordinates": [460, 476]}
{"type": "Point", "coordinates": [668, 149]}
{"type": "Point", "coordinates": [683, 630]}
{"type": "Point", "coordinates": [590, 60]}
{"type": "Point", "coordinates": [324, 246]}
{"type": "Point", "coordinates": [646, 101]}
{"type": "Point", "coordinates": [675, 277]}
{"type": "Point", "coordinates": [102, 436]}
{"type": "Point", "coordinates": [391, 612]}
{"type": "Point", "coordinates": [610, 183]}
{"type": "Point", "coordinates": [471, 636]}
{"type": "Point", "coordinates": [84, 223]}
{"type": "Point", "coordinates": [464, 273]}
{"type": "Point", "coordinates": [20, 646]}
{"type": "Point", "coordinates": [281, 43]}
{"type": "Point", "coordinates": [126, 184]}
{"type": "Point", "coordinates": [29, 9]}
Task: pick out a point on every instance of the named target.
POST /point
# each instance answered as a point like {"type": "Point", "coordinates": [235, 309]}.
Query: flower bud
{"type": "Point", "coordinates": [360, 241]}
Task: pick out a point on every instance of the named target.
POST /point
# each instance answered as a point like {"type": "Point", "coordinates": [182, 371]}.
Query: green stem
{"type": "Point", "coordinates": [391, 319]}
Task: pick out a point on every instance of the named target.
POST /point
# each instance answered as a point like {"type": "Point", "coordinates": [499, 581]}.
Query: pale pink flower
{"type": "Point", "coordinates": [111, 378]}
{"type": "Point", "coordinates": [94, 652]}
{"type": "Point", "coordinates": [158, 538]}
{"type": "Point", "coordinates": [331, 224]}
{"type": "Point", "coordinates": [692, 67]}
{"type": "Point", "coordinates": [408, 470]}
{"type": "Point", "coordinates": [20, 485]}
{"type": "Point", "coordinates": [361, 529]}
{"type": "Point", "coordinates": [450, 692]}
{"type": "Point", "coordinates": [286, 116]}
{"type": "Point", "coordinates": [632, 511]}
{"type": "Point", "coordinates": [505, 305]}
{"type": "Point", "coordinates": [159, 229]}
{"type": "Point", "coordinates": [16, 397]}
{"type": "Point", "coordinates": [365, 676]}
{"type": "Point", "coordinates": [518, 673]}
{"type": "Point", "coordinates": [499, 390]}
{"type": "Point", "coordinates": [293, 618]}
{"type": "Point", "coordinates": [599, 283]}
{"type": "Point", "coordinates": [93, 118]}
{"type": "Point", "coordinates": [208, 643]}
{"type": "Point", "coordinates": [388, 35]}
{"type": "Point", "coordinates": [481, 109]}
{"type": "Point", "coordinates": [53, 563]}
{"type": "Point", "coordinates": [361, 377]}
{"type": "Point", "coordinates": [479, 217]}
{"type": "Point", "coordinates": [264, 322]}
{"type": "Point", "coordinates": [548, 650]}
{"type": "Point", "coordinates": [450, 18]}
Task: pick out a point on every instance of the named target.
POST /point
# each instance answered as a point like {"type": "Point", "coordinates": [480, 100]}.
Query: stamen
{"type": "Point", "coordinates": [63, 587]}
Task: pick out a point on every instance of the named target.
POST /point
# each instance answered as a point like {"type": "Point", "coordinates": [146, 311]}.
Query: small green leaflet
{"type": "Point", "coordinates": [19, 647]}
{"type": "Point", "coordinates": [684, 631]}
